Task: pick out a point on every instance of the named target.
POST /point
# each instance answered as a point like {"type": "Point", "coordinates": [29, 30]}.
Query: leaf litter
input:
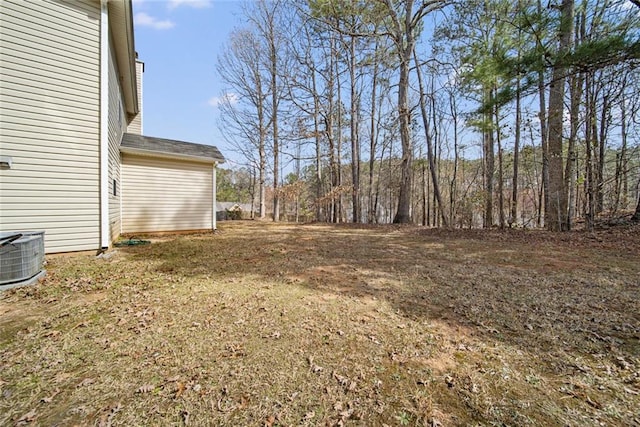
{"type": "Point", "coordinates": [283, 324]}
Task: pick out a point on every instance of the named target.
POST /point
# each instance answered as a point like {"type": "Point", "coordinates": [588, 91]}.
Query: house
{"type": "Point", "coordinates": [73, 160]}
{"type": "Point", "coordinates": [232, 210]}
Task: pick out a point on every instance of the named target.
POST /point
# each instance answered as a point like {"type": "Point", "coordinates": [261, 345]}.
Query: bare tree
{"type": "Point", "coordinates": [404, 26]}
{"type": "Point", "coordinates": [264, 15]}
{"type": "Point", "coordinates": [242, 105]}
{"type": "Point", "coordinates": [428, 137]}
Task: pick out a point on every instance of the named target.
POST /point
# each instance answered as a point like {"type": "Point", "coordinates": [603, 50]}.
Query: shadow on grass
{"type": "Point", "coordinates": [556, 299]}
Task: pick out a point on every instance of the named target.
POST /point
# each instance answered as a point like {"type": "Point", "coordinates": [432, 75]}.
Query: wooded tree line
{"type": "Point", "coordinates": [476, 113]}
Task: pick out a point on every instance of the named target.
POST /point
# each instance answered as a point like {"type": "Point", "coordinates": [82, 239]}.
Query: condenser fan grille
{"type": "Point", "coordinates": [21, 256]}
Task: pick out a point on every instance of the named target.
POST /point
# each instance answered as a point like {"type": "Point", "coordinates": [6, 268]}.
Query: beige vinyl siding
{"type": "Point", "coordinates": [49, 94]}
{"type": "Point", "coordinates": [117, 127]}
{"type": "Point", "coordinates": [135, 126]}
{"type": "Point", "coordinates": [165, 194]}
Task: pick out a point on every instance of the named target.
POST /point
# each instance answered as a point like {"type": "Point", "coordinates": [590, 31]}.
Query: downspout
{"type": "Point", "coordinates": [214, 199]}
{"type": "Point", "coordinates": [140, 97]}
{"type": "Point", "coordinates": [104, 126]}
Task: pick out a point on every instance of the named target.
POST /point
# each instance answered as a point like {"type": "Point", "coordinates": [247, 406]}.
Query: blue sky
{"type": "Point", "coordinates": [179, 42]}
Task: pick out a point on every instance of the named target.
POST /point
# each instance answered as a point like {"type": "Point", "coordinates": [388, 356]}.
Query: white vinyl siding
{"type": "Point", "coordinates": [49, 93]}
{"type": "Point", "coordinates": [117, 127]}
{"type": "Point", "coordinates": [165, 194]}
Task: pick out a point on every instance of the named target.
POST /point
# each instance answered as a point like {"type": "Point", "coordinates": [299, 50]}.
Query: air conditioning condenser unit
{"type": "Point", "coordinates": [21, 258]}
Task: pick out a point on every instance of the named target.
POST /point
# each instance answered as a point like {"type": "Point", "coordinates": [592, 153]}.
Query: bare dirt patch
{"type": "Point", "coordinates": [266, 325]}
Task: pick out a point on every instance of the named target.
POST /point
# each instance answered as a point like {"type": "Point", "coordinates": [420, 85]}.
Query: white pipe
{"type": "Point", "coordinates": [214, 198]}
{"type": "Point", "coordinates": [140, 96]}
{"type": "Point", "coordinates": [104, 125]}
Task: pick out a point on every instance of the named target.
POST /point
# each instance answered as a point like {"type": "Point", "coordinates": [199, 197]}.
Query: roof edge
{"type": "Point", "coordinates": [166, 155]}
{"type": "Point", "coordinates": [124, 45]}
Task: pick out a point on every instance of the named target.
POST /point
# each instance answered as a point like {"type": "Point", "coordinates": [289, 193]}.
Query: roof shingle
{"type": "Point", "coordinates": [170, 147]}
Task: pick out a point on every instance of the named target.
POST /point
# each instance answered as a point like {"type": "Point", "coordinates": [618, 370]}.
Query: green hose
{"type": "Point", "coordinates": [131, 242]}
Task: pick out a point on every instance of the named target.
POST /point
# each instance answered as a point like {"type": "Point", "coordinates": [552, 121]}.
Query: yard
{"type": "Point", "coordinates": [283, 325]}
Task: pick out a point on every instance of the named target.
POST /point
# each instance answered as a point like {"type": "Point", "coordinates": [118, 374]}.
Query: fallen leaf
{"type": "Point", "coordinates": [85, 382]}
{"type": "Point", "coordinates": [52, 334]}
{"type": "Point", "coordinates": [145, 388]}
{"type": "Point", "coordinates": [180, 388]}
{"type": "Point", "coordinates": [49, 399]}
{"type": "Point", "coordinates": [27, 418]}
{"type": "Point", "coordinates": [593, 403]}
{"type": "Point", "coordinates": [346, 382]}
{"type": "Point", "coordinates": [244, 401]}
{"type": "Point", "coordinates": [346, 414]}
{"type": "Point", "coordinates": [449, 380]}
{"type": "Point", "coordinates": [62, 376]}
{"type": "Point", "coordinates": [269, 421]}
{"type": "Point", "coordinates": [82, 324]}
{"type": "Point", "coordinates": [628, 390]}
{"type": "Point", "coordinates": [309, 415]}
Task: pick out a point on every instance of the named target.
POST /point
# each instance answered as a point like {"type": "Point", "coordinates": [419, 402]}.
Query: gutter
{"type": "Point", "coordinates": [131, 54]}
{"type": "Point", "coordinates": [104, 125]}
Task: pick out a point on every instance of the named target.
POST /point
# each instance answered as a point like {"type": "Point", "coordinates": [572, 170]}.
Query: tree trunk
{"type": "Point", "coordinates": [557, 189]}
{"type": "Point", "coordinates": [273, 69]}
{"type": "Point", "coordinates": [427, 135]}
{"type": "Point", "coordinates": [544, 133]}
{"type": "Point", "coordinates": [339, 205]}
{"type": "Point", "coordinates": [403, 215]}
{"type": "Point", "coordinates": [402, 30]}
{"type": "Point", "coordinates": [425, 194]}
{"type": "Point", "coordinates": [262, 153]}
{"type": "Point", "coordinates": [373, 135]}
{"type": "Point", "coordinates": [575, 93]}
{"type": "Point", "coordinates": [404, 40]}
{"type": "Point", "coordinates": [262, 178]}
{"type": "Point", "coordinates": [500, 170]}
{"type": "Point", "coordinates": [575, 88]}
{"type": "Point", "coordinates": [588, 138]}
{"type": "Point", "coordinates": [355, 143]}
{"type": "Point", "coordinates": [513, 217]}
{"type": "Point", "coordinates": [636, 216]}
{"type": "Point", "coordinates": [329, 131]}
{"type": "Point", "coordinates": [602, 142]}
{"type": "Point", "coordinates": [621, 158]}
{"type": "Point", "coordinates": [316, 135]}
{"type": "Point", "coordinates": [453, 183]}
{"type": "Point", "coordinates": [489, 169]}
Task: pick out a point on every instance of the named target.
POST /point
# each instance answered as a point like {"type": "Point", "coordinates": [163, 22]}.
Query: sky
{"type": "Point", "coordinates": [179, 42]}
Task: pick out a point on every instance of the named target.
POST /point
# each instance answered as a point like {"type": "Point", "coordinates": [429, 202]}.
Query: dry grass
{"type": "Point", "coordinates": [265, 325]}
